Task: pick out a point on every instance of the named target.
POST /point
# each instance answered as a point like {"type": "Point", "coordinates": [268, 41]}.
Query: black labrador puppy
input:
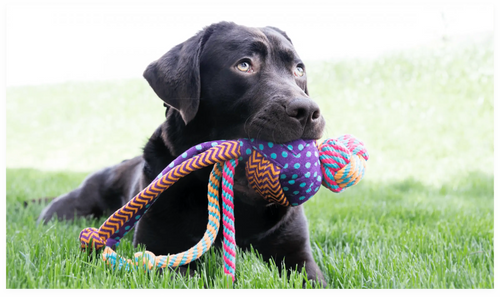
{"type": "Point", "coordinates": [226, 82]}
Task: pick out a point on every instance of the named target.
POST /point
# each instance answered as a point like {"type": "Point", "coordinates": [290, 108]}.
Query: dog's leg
{"type": "Point", "coordinates": [289, 245]}
{"type": "Point", "coordinates": [303, 259]}
{"type": "Point", "coordinates": [99, 194]}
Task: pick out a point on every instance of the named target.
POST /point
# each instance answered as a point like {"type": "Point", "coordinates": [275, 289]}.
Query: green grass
{"type": "Point", "coordinates": [421, 218]}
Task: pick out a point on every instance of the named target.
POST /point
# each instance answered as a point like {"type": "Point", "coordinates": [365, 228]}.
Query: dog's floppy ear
{"type": "Point", "coordinates": [175, 77]}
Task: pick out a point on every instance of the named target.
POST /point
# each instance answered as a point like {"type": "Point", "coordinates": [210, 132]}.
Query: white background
{"type": "Point", "coordinates": [56, 41]}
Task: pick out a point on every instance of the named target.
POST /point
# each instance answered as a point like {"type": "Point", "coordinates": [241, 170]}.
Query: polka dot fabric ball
{"type": "Point", "coordinates": [288, 174]}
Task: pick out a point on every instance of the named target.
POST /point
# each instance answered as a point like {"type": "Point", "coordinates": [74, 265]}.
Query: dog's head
{"type": "Point", "coordinates": [232, 81]}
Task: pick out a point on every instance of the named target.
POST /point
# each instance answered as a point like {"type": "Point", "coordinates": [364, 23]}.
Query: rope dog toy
{"type": "Point", "coordinates": [287, 174]}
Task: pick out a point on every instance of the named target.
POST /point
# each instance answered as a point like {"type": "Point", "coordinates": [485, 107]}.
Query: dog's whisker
{"type": "Point", "coordinates": [245, 127]}
{"type": "Point", "coordinates": [262, 127]}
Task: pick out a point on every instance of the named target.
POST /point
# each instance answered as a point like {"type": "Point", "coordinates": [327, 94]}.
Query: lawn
{"type": "Point", "coordinates": [421, 218]}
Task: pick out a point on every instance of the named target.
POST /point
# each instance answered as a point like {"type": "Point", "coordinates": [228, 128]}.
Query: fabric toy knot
{"type": "Point", "coordinates": [343, 162]}
{"type": "Point", "coordinates": [91, 237]}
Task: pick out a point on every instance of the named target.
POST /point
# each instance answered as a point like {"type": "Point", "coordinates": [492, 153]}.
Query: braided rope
{"type": "Point", "coordinates": [128, 214]}
{"type": "Point", "coordinates": [287, 174]}
{"type": "Point", "coordinates": [228, 218]}
{"type": "Point", "coordinates": [148, 260]}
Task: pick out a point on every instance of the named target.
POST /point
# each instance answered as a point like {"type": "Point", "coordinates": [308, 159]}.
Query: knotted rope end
{"type": "Point", "coordinates": [343, 162]}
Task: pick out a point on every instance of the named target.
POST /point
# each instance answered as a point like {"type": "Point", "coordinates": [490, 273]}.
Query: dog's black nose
{"type": "Point", "coordinates": [304, 110]}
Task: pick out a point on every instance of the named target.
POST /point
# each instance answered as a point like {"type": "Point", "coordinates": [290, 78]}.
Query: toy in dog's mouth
{"type": "Point", "coordinates": [288, 174]}
{"type": "Point", "coordinates": [291, 173]}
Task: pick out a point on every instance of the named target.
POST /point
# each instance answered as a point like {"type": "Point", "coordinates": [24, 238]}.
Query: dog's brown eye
{"type": "Point", "coordinates": [244, 67]}
{"type": "Point", "coordinates": [299, 71]}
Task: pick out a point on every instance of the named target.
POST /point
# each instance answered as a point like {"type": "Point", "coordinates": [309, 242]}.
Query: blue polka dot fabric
{"type": "Point", "coordinates": [298, 161]}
